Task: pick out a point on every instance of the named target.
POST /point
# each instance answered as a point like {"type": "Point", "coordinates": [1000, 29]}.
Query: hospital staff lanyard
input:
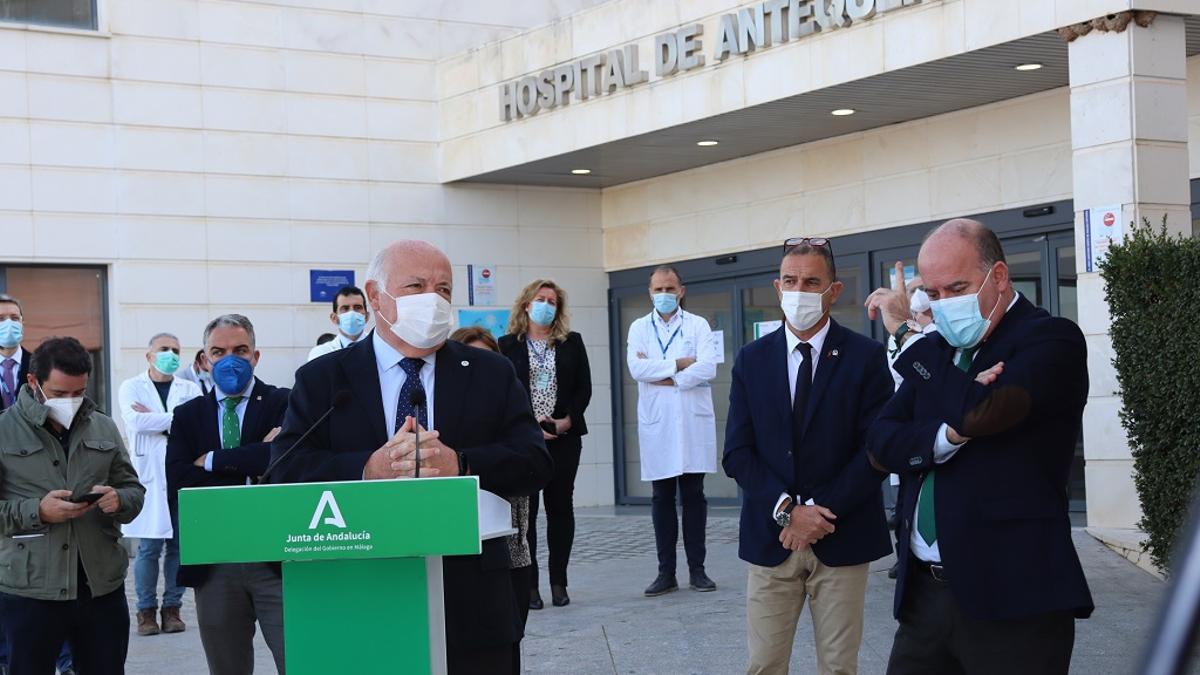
{"type": "Point", "coordinates": [674, 335]}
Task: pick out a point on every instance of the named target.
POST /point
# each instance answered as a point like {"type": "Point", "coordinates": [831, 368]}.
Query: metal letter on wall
{"type": "Point", "coordinates": [564, 82]}
{"type": "Point", "coordinates": [545, 87]}
{"type": "Point", "coordinates": [614, 72]}
{"type": "Point", "coordinates": [527, 97]}
{"type": "Point", "coordinates": [830, 14]}
{"type": "Point", "coordinates": [751, 29]}
{"type": "Point", "coordinates": [727, 39]}
{"type": "Point", "coordinates": [633, 72]}
{"type": "Point", "coordinates": [800, 14]}
{"type": "Point", "coordinates": [860, 10]}
{"type": "Point", "coordinates": [666, 55]}
{"type": "Point", "coordinates": [689, 48]}
{"type": "Point", "coordinates": [776, 33]}
{"type": "Point", "coordinates": [508, 101]}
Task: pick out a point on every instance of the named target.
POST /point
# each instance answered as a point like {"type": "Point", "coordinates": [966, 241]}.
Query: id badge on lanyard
{"type": "Point", "coordinates": [666, 347]}
{"type": "Point", "coordinates": [542, 381]}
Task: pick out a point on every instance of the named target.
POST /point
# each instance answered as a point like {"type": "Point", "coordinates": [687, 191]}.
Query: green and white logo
{"type": "Point", "coordinates": [328, 503]}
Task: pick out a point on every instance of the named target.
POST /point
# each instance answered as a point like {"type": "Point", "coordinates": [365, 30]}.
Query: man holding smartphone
{"type": "Point", "coordinates": [66, 483]}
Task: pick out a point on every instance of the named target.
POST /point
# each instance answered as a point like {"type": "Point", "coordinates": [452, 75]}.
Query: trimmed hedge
{"type": "Point", "coordinates": [1153, 292]}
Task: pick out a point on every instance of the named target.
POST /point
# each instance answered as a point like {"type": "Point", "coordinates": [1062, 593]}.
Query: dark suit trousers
{"type": "Point", "coordinates": [934, 638]}
{"type": "Point", "coordinates": [489, 661]}
{"type": "Point", "coordinates": [97, 630]}
{"type": "Point", "coordinates": [559, 495]}
{"type": "Point", "coordinates": [666, 525]}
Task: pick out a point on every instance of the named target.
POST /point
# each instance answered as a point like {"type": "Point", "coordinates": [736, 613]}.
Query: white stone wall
{"type": "Point", "coordinates": [210, 153]}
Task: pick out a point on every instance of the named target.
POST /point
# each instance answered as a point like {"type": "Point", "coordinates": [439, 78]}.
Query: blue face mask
{"type": "Point", "coordinates": [351, 323]}
{"type": "Point", "coordinates": [665, 303]}
{"type": "Point", "coordinates": [542, 313]}
{"type": "Point", "coordinates": [11, 333]}
{"type": "Point", "coordinates": [231, 375]}
{"type": "Point", "coordinates": [166, 362]}
{"type": "Point", "coordinates": [959, 319]}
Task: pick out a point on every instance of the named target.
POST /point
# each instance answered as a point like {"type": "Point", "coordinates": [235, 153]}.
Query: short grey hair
{"type": "Point", "coordinates": [377, 271]}
{"type": "Point", "coordinates": [161, 335]}
{"type": "Point", "coordinates": [5, 297]}
{"type": "Point", "coordinates": [231, 321]}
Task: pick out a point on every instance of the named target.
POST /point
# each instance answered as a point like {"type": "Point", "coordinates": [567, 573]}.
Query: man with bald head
{"type": "Point", "coordinates": [479, 423]}
{"type": "Point", "coordinates": [982, 433]}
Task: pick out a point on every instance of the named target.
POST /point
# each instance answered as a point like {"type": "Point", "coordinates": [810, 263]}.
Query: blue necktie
{"type": "Point", "coordinates": [412, 382]}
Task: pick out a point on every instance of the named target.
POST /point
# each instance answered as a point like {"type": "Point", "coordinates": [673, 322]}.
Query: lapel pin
{"type": "Point", "coordinates": [258, 398]}
{"type": "Point", "coordinates": [833, 353]}
{"type": "Point", "coordinates": [465, 364]}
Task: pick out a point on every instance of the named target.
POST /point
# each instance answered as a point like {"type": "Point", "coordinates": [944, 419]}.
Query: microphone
{"type": "Point", "coordinates": [416, 398]}
{"type": "Point", "coordinates": [341, 398]}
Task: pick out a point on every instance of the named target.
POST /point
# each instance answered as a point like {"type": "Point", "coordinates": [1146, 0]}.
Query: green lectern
{"type": "Point", "coordinates": [362, 567]}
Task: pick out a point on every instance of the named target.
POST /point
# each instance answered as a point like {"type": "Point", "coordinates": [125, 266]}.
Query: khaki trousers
{"type": "Point", "coordinates": [775, 597]}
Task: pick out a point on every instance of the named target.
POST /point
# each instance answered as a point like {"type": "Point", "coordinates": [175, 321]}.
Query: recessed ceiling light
{"type": "Point", "coordinates": [707, 144]}
{"type": "Point", "coordinates": [842, 112]}
{"type": "Point", "coordinates": [1029, 66]}
{"type": "Point", "coordinates": [581, 172]}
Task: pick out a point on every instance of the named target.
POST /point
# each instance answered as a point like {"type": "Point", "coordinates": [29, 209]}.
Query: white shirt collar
{"type": "Point", "coordinates": [675, 318]}
{"type": "Point", "coordinates": [387, 357]}
{"type": "Point", "coordinates": [817, 341]}
{"type": "Point", "coordinates": [221, 396]}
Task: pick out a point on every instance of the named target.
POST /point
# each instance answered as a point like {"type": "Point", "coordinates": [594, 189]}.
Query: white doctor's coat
{"type": "Point", "coordinates": [677, 431]}
{"type": "Point", "coordinates": [146, 433]}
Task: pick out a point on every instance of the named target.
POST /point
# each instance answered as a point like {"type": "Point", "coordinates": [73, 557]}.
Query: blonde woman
{"type": "Point", "coordinates": [552, 364]}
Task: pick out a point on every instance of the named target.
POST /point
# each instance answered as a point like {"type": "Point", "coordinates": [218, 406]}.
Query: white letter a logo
{"type": "Point", "coordinates": [335, 514]}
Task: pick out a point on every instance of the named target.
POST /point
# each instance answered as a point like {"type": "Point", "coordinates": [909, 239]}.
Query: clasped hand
{"type": "Point", "coordinates": [809, 525]}
{"type": "Point", "coordinates": [401, 456]}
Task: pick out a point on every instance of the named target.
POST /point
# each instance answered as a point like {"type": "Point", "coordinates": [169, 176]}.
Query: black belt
{"type": "Point", "coordinates": [935, 570]}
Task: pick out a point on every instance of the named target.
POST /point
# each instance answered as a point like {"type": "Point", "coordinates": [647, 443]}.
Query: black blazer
{"type": "Point", "coordinates": [194, 431]}
{"type": "Point", "coordinates": [1004, 533]}
{"type": "Point", "coordinates": [572, 369]}
{"type": "Point", "coordinates": [852, 383]}
{"type": "Point", "coordinates": [479, 410]}
{"type": "Point", "coordinates": [21, 374]}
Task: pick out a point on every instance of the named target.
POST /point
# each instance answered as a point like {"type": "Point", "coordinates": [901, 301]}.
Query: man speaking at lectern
{"type": "Point", "coordinates": [479, 423]}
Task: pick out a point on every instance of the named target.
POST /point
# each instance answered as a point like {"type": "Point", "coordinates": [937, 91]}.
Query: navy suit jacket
{"type": "Point", "coordinates": [20, 374]}
{"type": "Point", "coordinates": [194, 431]}
{"type": "Point", "coordinates": [852, 383]}
{"type": "Point", "coordinates": [480, 410]}
{"type": "Point", "coordinates": [1004, 533]}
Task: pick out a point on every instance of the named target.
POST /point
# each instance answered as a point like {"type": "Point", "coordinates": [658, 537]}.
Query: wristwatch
{"type": "Point", "coordinates": [784, 517]}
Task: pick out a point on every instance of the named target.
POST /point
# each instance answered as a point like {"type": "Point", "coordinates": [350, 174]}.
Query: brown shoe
{"type": "Point", "coordinates": [171, 623]}
{"type": "Point", "coordinates": [146, 623]}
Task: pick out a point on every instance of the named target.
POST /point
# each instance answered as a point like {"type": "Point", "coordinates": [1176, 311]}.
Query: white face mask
{"type": "Point", "coordinates": [801, 309]}
{"type": "Point", "coordinates": [62, 410]}
{"type": "Point", "coordinates": [919, 304]}
{"type": "Point", "coordinates": [423, 320]}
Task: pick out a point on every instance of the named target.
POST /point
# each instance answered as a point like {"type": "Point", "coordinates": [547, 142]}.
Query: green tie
{"type": "Point", "coordinates": [231, 429]}
{"type": "Point", "coordinates": [926, 523]}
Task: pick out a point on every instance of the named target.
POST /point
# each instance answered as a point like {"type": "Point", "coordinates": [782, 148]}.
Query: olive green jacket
{"type": "Point", "coordinates": [39, 560]}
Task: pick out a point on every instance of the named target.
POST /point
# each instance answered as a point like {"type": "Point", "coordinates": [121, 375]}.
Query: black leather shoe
{"type": "Point", "coordinates": [894, 571]}
{"type": "Point", "coordinates": [558, 596]}
{"type": "Point", "coordinates": [663, 584]}
{"type": "Point", "coordinates": [535, 600]}
{"type": "Point", "coordinates": [701, 582]}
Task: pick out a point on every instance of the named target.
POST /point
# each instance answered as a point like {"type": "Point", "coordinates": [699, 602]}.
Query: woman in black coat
{"type": "Point", "coordinates": [552, 364]}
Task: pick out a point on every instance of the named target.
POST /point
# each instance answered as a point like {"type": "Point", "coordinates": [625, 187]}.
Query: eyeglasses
{"type": "Point", "coordinates": [816, 242]}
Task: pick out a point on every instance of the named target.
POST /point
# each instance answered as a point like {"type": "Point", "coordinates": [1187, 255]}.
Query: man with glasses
{"type": "Point", "coordinates": [800, 404]}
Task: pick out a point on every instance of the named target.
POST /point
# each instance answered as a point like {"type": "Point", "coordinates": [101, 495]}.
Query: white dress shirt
{"type": "Point", "coordinates": [943, 450]}
{"type": "Point", "coordinates": [338, 342]}
{"type": "Point", "coordinates": [794, 358]}
{"type": "Point", "coordinates": [392, 377]}
{"type": "Point", "coordinates": [241, 413]}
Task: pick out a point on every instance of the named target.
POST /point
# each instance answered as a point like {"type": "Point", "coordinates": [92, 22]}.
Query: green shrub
{"type": "Point", "coordinates": [1153, 289]}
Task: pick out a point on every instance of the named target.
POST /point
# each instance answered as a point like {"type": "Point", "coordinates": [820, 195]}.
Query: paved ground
{"type": "Point", "coordinates": [611, 628]}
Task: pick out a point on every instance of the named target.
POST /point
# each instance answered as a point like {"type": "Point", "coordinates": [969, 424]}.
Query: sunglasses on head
{"type": "Point", "coordinates": [816, 242]}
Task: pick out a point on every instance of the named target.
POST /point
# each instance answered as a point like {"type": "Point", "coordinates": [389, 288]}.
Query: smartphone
{"type": "Point", "coordinates": [549, 427]}
{"type": "Point", "coordinates": [89, 498]}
